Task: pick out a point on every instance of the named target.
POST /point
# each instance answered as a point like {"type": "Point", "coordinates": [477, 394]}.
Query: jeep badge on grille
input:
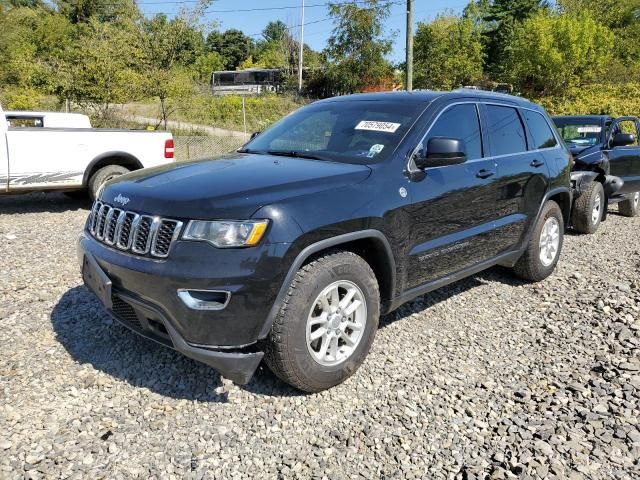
{"type": "Point", "coordinates": [121, 200]}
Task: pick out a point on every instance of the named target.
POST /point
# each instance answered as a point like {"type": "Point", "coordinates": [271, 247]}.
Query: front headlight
{"type": "Point", "coordinates": [226, 233]}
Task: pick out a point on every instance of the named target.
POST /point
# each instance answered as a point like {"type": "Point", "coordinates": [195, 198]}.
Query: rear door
{"type": "Point", "coordinates": [522, 178]}
{"type": "Point", "coordinates": [453, 207]}
{"type": "Point", "coordinates": [624, 162]}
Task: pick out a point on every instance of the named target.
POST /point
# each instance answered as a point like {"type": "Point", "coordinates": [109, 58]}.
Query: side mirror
{"type": "Point", "coordinates": [254, 135]}
{"type": "Point", "coordinates": [623, 139]}
{"type": "Point", "coordinates": [441, 152]}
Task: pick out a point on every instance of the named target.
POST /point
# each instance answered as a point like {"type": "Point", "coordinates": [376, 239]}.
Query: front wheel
{"type": "Point", "coordinates": [631, 206]}
{"type": "Point", "coordinates": [588, 209]}
{"type": "Point", "coordinates": [326, 324]}
{"type": "Point", "coordinates": [542, 254]}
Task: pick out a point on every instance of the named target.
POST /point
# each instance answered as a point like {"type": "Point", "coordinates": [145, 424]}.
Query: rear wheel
{"type": "Point", "coordinates": [326, 324]}
{"type": "Point", "coordinates": [103, 175]}
{"type": "Point", "coordinates": [631, 206]}
{"type": "Point", "coordinates": [542, 254]}
{"type": "Point", "coordinates": [588, 209]}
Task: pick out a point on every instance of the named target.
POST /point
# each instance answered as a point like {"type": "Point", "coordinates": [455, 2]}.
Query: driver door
{"type": "Point", "coordinates": [453, 207]}
{"type": "Point", "coordinates": [624, 161]}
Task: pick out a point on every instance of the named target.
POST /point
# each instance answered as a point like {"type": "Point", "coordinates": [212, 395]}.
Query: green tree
{"type": "Point", "coordinates": [275, 31]}
{"type": "Point", "coordinates": [171, 52]}
{"type": "Point", "coordinates": [501, 20]}
{"type": "Point", "coordinates": [206, 64]}
{"type": "Point", "coordinates": [358, 46]}
{"type": "Point", "coordinates": [102, 69]}
{"type": "Point", "coordinates": [622, 17]}
{"type": "Point", "coordinates": [233, 45]}
{"type": "Point", "coordinates": [448, 53]}
{"type": "Point", "coordinates": [551, 52]}
{"type": "Point", "coordinates": [80, 11]}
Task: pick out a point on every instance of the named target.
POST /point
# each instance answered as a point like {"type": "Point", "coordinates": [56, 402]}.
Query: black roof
{"type": "Point", "coordinates": [431, 95]}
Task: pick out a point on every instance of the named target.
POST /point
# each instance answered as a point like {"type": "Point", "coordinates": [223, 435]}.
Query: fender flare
{"type": "Point", "coordinates": [566, 214]}
{"type": "Point", "coordinates": [129, 159]}
{"type": "Point", "coordinates": [317, 247]}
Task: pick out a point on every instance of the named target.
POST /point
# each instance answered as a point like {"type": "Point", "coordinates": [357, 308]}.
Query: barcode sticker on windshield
{"type": "Point", "coordinates": [590, 129]}
{"type": "Point", "coordinates": [375, 126]}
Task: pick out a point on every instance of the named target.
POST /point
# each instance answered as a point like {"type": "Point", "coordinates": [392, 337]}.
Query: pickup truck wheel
{"type": "Point", "coordinates": [542, 254]}
{"type": "Point", "coordinates": [588, 209]}
{"type": "Point", "coordinates": [104, 175]}
{"type": "Point", "coordinates": [326, 324]}
{"type": "Point", "coordinates": [631, 206]}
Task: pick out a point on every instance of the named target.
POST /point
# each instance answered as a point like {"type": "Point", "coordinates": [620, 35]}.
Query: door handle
{"type": "Point", "coordinates": [537, 163]}
{"type": "Point", "coordinates": [484, 173]}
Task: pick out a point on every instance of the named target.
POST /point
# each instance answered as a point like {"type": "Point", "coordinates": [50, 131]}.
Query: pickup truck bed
{"type": "Point", "coordinates": [70, 159]}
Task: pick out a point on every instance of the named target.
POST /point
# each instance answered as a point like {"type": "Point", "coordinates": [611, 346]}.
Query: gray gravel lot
{"type": "Point", "coordinates": [487, 378]}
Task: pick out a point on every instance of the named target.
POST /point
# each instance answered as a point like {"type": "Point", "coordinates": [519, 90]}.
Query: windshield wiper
{"type": "Point", "coordinates": [296, 154]}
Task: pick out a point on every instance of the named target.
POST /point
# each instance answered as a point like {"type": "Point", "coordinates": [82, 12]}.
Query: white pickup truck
{"type": "Point", "coordinates": [55, 151]}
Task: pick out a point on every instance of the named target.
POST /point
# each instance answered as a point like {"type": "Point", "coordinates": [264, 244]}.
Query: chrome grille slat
{"type": "Point", "coordinates": [141, 235]}
{"type": "Point", "coordinates": [130, 231]}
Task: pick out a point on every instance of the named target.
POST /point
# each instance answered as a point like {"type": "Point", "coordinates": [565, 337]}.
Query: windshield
{"type": "Point", "coordinates": [579, 132]}
{"type": "Point", "coordinates": [353, 131]}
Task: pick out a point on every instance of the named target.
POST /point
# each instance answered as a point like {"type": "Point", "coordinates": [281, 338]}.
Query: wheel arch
{"type": "Point", "coordinates": [564, 200]}
{"type": "Point", "coordinates": [123, 159]}
{"type": "Point", "coordinates": [370, 244]}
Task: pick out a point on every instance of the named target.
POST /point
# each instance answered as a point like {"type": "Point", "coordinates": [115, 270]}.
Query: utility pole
{"type": "Point", "coordinates": [409, 49]}
{"type": "Point", "coordinates": [300, 60]}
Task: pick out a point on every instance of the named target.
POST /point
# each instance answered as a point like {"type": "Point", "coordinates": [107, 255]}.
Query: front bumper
{"type": "Point", "coordinates": [144, 297]}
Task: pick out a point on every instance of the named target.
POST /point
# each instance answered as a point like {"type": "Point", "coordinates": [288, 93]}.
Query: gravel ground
{"type": "Point", "coordinates": [487, 378]}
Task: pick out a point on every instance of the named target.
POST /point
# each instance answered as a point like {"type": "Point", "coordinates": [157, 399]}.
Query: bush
{"type": "Point", "coordinates": [597, 99]}
{"type": "Point", "coordinates": [13, 98]}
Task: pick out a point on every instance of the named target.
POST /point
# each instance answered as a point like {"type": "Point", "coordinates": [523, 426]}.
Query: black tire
{"type": "Point", "coordinates": [631, 206]}
{"type": "Point", "coordinates": [530, 266]}
{"type": "Point", "coordinates": [104, 175]}
{"type": "Point", "coordinates": [287, 352]}
{"type": "Point", "coordinates": [583, 209]}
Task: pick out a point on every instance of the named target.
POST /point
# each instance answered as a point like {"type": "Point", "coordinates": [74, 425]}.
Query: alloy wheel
{"type": "Point", "coordinates": [336, 323]}
{"type": "Point", "coordinates": [549, 241]}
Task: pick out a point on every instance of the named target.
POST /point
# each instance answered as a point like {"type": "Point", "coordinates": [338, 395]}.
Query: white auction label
{"type": "Point", "coordinates": [590, 129]}
{"type": "Point", "coordinates": [376, 126]}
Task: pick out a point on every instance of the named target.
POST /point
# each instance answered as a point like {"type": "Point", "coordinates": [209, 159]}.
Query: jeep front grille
{"type": "Point", "coordinates": [126, 230]}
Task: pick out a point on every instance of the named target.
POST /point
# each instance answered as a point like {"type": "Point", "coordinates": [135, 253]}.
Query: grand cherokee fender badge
{"type": "Point", "coordinates": [121, 200]}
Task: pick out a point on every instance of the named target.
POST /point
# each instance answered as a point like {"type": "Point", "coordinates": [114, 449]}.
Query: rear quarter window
{"type": "Point", "coordinates": [540, 133]}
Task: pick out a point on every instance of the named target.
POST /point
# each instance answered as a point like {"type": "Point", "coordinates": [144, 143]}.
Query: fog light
{"type": "Point", "coordinates": [204, 299]}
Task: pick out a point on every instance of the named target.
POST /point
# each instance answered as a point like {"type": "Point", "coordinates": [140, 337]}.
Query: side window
{"type": "Point", "coordinates": [541, 135]}
{"type": "Point", "coordinates": [461, 122]}
{"type": "Point", "coordinates": [505, 130]}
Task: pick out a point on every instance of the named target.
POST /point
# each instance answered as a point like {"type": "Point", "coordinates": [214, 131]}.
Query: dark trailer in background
{"type": "Point", "coordinates": [246, 82]}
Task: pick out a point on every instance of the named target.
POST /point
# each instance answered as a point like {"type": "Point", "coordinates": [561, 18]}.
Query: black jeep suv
{"type": "Point", "coordinates": [291, 248]}
{"type": "Point", "coordinates": [607, 166]}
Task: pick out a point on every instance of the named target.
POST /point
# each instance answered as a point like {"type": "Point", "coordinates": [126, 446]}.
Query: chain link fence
{"type": "Point", "coordinates": [196, 147]}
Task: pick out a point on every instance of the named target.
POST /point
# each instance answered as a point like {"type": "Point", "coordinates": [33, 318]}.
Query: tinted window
{"type": "Point", "coordinates": [541, 135]}
{"type": "Point", "coordinates": [461, 122]}
{"type": "Point", "coordinates": [505, 130]}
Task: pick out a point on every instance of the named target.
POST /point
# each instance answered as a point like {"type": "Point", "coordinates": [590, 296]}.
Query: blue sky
{"type": "Point", "coordinates": [227, 13]}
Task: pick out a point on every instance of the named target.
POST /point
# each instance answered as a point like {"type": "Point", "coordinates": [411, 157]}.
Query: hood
{"type": "Point", "coordinates": [231, 187]}
{"type": "Point", "coordinates": [583, 150]}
